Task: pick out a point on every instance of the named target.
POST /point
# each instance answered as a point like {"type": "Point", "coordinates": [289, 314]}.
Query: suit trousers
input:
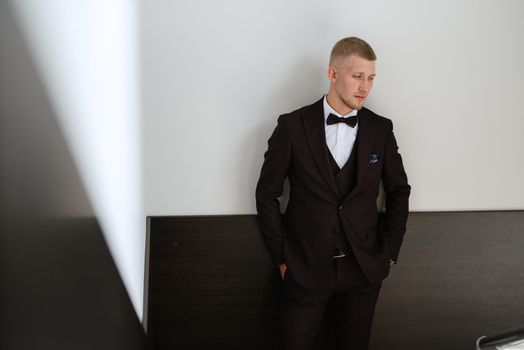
{"type": "Point", "coordinates": [343, 313]}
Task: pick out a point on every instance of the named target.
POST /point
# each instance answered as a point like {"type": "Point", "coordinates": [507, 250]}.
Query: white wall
{"type": "Point", "coordinates": [217, 74]}
{"type": "Point", "coordinates": [87, 55]}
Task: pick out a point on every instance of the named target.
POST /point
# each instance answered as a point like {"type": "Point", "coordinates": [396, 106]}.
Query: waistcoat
{"type": "Point", "coordinates": [346, 179]}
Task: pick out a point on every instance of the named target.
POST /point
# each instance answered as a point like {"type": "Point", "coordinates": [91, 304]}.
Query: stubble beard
{"type": "Point", "coordinates": [354, 105]}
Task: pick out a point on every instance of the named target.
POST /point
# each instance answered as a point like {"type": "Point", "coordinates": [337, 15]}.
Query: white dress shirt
{"type": "Point", "coordinates": [340, 137]}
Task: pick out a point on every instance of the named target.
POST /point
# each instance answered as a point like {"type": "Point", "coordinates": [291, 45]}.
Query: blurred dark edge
{"type": "Point", "coordinates": [60, 288]}
{"type": "Point", "coordinates": [499, 340]}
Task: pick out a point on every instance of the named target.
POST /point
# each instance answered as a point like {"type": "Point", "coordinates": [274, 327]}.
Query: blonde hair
{"type": "Point", "coordinates": [352, 46]}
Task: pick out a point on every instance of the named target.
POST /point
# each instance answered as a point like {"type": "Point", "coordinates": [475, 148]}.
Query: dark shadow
{"type": "Point", "coordinates": [60, 288]}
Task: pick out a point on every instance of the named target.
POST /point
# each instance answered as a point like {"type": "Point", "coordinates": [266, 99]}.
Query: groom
{"type": "Point", "coordinates": [332, 243]}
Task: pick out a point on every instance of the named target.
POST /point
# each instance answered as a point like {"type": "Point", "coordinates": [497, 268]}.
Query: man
{"type": "Point", "coordinates": [331, 243]}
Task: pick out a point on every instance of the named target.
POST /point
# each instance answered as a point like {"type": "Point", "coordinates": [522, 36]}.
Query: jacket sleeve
{"type": "Point", "coordinates": [269, 188]}
{"type": "Point", "coordinates": [397, 192]}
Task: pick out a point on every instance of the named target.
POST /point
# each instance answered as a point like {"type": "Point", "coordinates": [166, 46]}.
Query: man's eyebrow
{"type": "Point", "coordinates": [371, 75]}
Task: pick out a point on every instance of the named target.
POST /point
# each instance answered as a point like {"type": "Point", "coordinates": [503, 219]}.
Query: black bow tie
{"type": "Point", "coordinates": [333, 119]}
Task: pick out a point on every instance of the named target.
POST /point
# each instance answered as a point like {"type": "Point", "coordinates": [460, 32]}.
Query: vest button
{"type": "Point", "coordinates": [339, 208]}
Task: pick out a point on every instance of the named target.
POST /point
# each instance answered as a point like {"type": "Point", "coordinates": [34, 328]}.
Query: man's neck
{"type": "Point", "coordinates": [335, 103]}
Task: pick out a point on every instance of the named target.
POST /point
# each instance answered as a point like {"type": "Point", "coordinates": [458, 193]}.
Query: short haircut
{"type": "Point", "coordinates": [352, 46]}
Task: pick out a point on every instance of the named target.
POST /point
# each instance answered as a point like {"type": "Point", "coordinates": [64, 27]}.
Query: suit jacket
{"type": "Point", "coordinates": [303, 236]}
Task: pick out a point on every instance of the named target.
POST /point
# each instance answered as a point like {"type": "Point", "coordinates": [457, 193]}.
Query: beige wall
{"type": "Point", "coordinates": [217, 74]}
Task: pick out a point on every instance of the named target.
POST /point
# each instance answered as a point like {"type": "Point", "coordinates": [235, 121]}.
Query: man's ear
{"type": "Point", "coordinates": [332, 74]}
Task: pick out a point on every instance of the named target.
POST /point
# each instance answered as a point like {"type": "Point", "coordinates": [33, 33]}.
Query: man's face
{"type": "Point", "coordinates": [351, 82]}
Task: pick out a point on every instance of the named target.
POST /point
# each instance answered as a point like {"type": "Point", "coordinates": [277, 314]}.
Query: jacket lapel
{"type": "Point", "coordinates": [366, 138]}
{"type": "Point", "coordinates": [316, 139]}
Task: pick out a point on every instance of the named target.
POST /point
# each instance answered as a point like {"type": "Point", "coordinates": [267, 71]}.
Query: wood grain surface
{"type": "Point", "coordinates": [460, 275]}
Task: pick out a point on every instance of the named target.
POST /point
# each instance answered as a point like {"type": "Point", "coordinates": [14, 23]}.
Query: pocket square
{"type": "Point", "coordinates": [373, 158]}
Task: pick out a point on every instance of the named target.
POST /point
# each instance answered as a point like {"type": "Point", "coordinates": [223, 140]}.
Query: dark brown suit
{"type": "Point", "coordinates": [303, 237]}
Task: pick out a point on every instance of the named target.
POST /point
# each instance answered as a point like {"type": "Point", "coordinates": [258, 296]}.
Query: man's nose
{"type": "Point", "coordinates": [365, 85]}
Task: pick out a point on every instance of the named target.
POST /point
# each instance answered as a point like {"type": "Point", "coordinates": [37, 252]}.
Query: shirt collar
{"type": "Point", "coordinates": [328, 110]}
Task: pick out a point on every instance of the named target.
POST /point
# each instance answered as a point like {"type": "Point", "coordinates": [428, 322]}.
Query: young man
{"type": "Point", "coordinates": [331, 243]}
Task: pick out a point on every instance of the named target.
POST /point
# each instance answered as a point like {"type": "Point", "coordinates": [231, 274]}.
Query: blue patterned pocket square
{"type": "Point", "coordinates": [373, 158]}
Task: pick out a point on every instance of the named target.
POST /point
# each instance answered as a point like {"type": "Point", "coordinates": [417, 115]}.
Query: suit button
{"type": "Point", "coordinates": [340, 208]}
{"type": "Point", "coordinates": [336, 231]}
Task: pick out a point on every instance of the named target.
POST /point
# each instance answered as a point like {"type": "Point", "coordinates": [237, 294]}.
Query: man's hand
{"type": "Point", "coordinates": [282, 267]}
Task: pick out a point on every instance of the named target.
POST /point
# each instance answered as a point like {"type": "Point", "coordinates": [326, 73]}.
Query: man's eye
{"type": "Point", "coordinates": [357, 76]}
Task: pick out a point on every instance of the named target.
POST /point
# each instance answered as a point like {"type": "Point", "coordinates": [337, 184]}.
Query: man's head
{"type": "Point", "coordinates": [351, 46]}
{"type": "Point", "coordinates": [351, 72]}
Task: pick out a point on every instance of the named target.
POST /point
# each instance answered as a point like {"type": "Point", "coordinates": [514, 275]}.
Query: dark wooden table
{"type": "Point", "coordinates": [460, 275]}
